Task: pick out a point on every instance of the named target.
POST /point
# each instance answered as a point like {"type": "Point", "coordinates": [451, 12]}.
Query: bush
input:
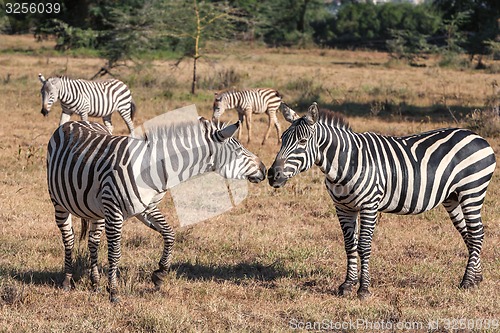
{"type": "Point", "coordinates": [220, 80]}
{"type": "Point", "coordinates": [484, 122]}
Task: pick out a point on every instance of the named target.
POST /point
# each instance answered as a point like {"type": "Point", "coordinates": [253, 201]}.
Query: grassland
{"type": "Point", "coordinates": [275, 260]}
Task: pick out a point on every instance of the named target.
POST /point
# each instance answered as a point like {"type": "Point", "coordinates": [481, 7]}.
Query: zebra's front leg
{"type": "Point", "coordinates": [64, 223]}
{"type": "Point", "coordinates": [155, 219]}
{"type": "Point", "coordinates": [368, 219]}
{"type": "Point", "coordinates": [113, 227]}
{"type": "Point", "coordinates": [348, 223]}
{"type": "Point", "coordinates": [95, 233]}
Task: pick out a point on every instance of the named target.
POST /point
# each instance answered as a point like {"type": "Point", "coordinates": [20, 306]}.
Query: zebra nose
{"type": "Point", "coordinates": [44, 112]}
{"type": "Point", "coordinates": [275, 175]}
{"type": "Point", "coordinates": [260, 176]}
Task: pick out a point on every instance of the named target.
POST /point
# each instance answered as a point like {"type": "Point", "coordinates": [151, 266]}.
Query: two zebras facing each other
{"type": "Point", "coordinates": [253, 101]}
{"type": "Point", "coordinates": [88, 98]}
{"type": "Point", "coordinates": [367, 173]}
{"type": "Point", "coordinates": [106, 179]}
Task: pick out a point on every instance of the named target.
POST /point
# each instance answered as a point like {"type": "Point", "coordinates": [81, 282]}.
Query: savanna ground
{"type": "Point", "coordinates": [272, 263]}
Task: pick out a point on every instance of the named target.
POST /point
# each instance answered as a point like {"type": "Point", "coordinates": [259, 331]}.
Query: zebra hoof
{"type": "Point", "coordinates": [157, 277]}
{"type": "Point", "coordinates": [467, 284]}
{"type": "Point", "coordinates": [363, 294]}
{"type": "Point", "coordinates": [345, 288]}
{"type": "Point", "coordinates": [113, 296]}
{"type": "Point", "coordinates": [66, 285]}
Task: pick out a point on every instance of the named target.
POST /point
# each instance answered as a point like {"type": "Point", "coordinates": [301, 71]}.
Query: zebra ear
{"type": "Point", "coordinates": [41, 78]}
{"type": "Point", "coordinates": [206, 123]}
{"type": "Point", "coordinates": [312, 114]}
{"type": "Point", "coordinates": [288, 113]}
{"type": "Point", "coordinates": [228, 131]}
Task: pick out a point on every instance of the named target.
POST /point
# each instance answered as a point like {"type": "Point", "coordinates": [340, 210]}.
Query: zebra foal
{"type": "Point", "coordinates": [88, 98]}
{"type": "Point", "coordinates": [106, 179]}
{"type": "Point", "coordinates": [247, 102]}
{"type": "Point", "coordinates": [367, 173]}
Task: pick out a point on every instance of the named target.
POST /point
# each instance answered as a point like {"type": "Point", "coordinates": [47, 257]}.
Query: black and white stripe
{"type": "Point", "coordinates": [106, 179]}
{"type": "Point", "coordinates": [247, 102]}
{"type": "Point", "coordinates": [367, 173]}
{"type": "Point", "coordinates": [88, 98]}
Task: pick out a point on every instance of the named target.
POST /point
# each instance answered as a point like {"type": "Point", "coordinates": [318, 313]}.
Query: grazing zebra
{"type": "Point", "coordinates": [107, 179]}
{"type": "Point", "coordinates": [88, 98]}
{"type": "Point", "coordinates": [367, 173]}
{"type": "Point", "coordinates": [246, 102]}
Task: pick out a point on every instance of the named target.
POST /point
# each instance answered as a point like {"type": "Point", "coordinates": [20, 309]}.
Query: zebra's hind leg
{"type": "Point", "coordinates": [95, 233]}
{"type": "Point", "coordinates": [462, 221]}
{"type": "Point", "coordinates": [348, 223]}
{"type": "Point", "coordinates": [65, 225]}
{"type": "Point", "coordinates": [107, 123]}
{"type": "Point", "coordinates": [471, 208]}
{"type": "Point", "coordinates": [127, 117]}
{"type": "Point", "coordinates": [155, 219]}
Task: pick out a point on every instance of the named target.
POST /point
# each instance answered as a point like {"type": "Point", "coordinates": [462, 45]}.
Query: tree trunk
{"type": "Point", "coordinates": [193, 84]}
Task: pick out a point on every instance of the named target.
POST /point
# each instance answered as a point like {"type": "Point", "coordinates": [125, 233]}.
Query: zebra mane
{"type": "Point", "coordinates": [334, 119]}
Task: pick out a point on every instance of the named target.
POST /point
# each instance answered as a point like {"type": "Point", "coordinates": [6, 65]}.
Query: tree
{"type": "Point", "coordinates": [195, 23]}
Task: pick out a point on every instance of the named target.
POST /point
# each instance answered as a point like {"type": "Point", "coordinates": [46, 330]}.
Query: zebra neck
{"type": "Point", "coordinates": [170, 162]}
{"type": "Point", "coordinates": [339, 149]}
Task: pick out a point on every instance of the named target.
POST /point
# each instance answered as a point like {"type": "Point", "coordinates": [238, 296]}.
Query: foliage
{"type": "Point", "coordinates": [367, 24]}
{"type": "Point", "coordinates": [408, 45]}
{"type": "Point", "coordinates": [485, 122]}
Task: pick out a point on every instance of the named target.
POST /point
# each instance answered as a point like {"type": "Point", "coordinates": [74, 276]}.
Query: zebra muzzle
{"type": "Point", "coordinates": [276, 176]}
{"type": "Point", "coordinates": [44, 112]}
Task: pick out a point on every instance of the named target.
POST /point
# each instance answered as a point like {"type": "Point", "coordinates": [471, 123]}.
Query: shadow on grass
{"type": "Point", "coordinates": [48, 277]}
{"type": "Point", "coordinates": [390, 111]}
{"type": "Point", "coordinates": [237, 273]}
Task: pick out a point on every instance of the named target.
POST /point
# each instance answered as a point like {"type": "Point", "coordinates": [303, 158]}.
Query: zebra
{"type": "Point", "coordinates": [88, 98]}
{"type": "Point", "coordinates": [247, 102]}
{"type": "Point", "coordinates": [367, 173]}
{"type": "Point", "coordinates": [106, 179]}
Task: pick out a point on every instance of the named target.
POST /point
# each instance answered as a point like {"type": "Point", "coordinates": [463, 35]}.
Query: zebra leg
{"type": "Point", "coordinates": [248, 120]}
{"type": "Point", "coordinates": [348, 223]}
{"type": "Point", "coordinates": [273, 120]}
{"type": "Point", "coordinates": [475, 235]}
{"type": "Point", "coordinates": [128, 120]}
{"type": "Point", "coordinates": [65, 225]}
{"type": "Point", "coordinates": [65, 117]}
{"type": "Point", "coordinates": [155, 219]}
{"type": "Point", "coordinates": [241, 116]}
{"type": "Point", "coordinates": [113, 227]}
{"type": "Point", "coordinates": [107, 123]}
{"type": "Point", "coordinates": [95, 233]}
{"type": "Point", "coordinates": [368, 219]}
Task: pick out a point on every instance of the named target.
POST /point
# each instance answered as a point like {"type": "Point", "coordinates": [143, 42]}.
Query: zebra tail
{"type": "Point", "coordinates": [278, 94]}
{"type": "Point", "coordinates": [85, 229]}
{"type": "Point", "coordinates": [133, 109]}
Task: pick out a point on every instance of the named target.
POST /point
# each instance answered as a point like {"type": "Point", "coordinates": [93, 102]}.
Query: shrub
{"type": "Point", "coordinates": [484, 122]}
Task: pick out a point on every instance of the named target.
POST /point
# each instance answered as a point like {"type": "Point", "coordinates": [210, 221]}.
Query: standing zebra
{"type": "Point", "coordinates": [88, 98]}
{"type": "Point", "coordinates": [107, 179]}
{"type": "Point", "coordinates": [367, 173]}
{"type": "Point", "coordinates": [246, 102]}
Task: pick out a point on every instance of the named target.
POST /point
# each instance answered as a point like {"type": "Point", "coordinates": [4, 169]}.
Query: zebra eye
{"type": "Point", "coordinates": [303, 141]}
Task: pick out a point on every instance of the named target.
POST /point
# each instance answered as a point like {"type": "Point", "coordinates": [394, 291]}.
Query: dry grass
{"type": "Point", "coordinates": [272, 261]}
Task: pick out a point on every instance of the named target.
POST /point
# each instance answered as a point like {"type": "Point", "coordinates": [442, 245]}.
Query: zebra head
{"type": "Point", "coordinates": [298, 149]}
{"type": "Point", "coordinates": [231, 159]}
{"type": "Point", "coordinates": [50, 92]}
{"type": "Point", "coordinates": [219, 105]}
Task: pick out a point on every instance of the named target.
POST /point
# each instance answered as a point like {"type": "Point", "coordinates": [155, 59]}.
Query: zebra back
{"type": "Point", "coordinates": [258, 100]}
